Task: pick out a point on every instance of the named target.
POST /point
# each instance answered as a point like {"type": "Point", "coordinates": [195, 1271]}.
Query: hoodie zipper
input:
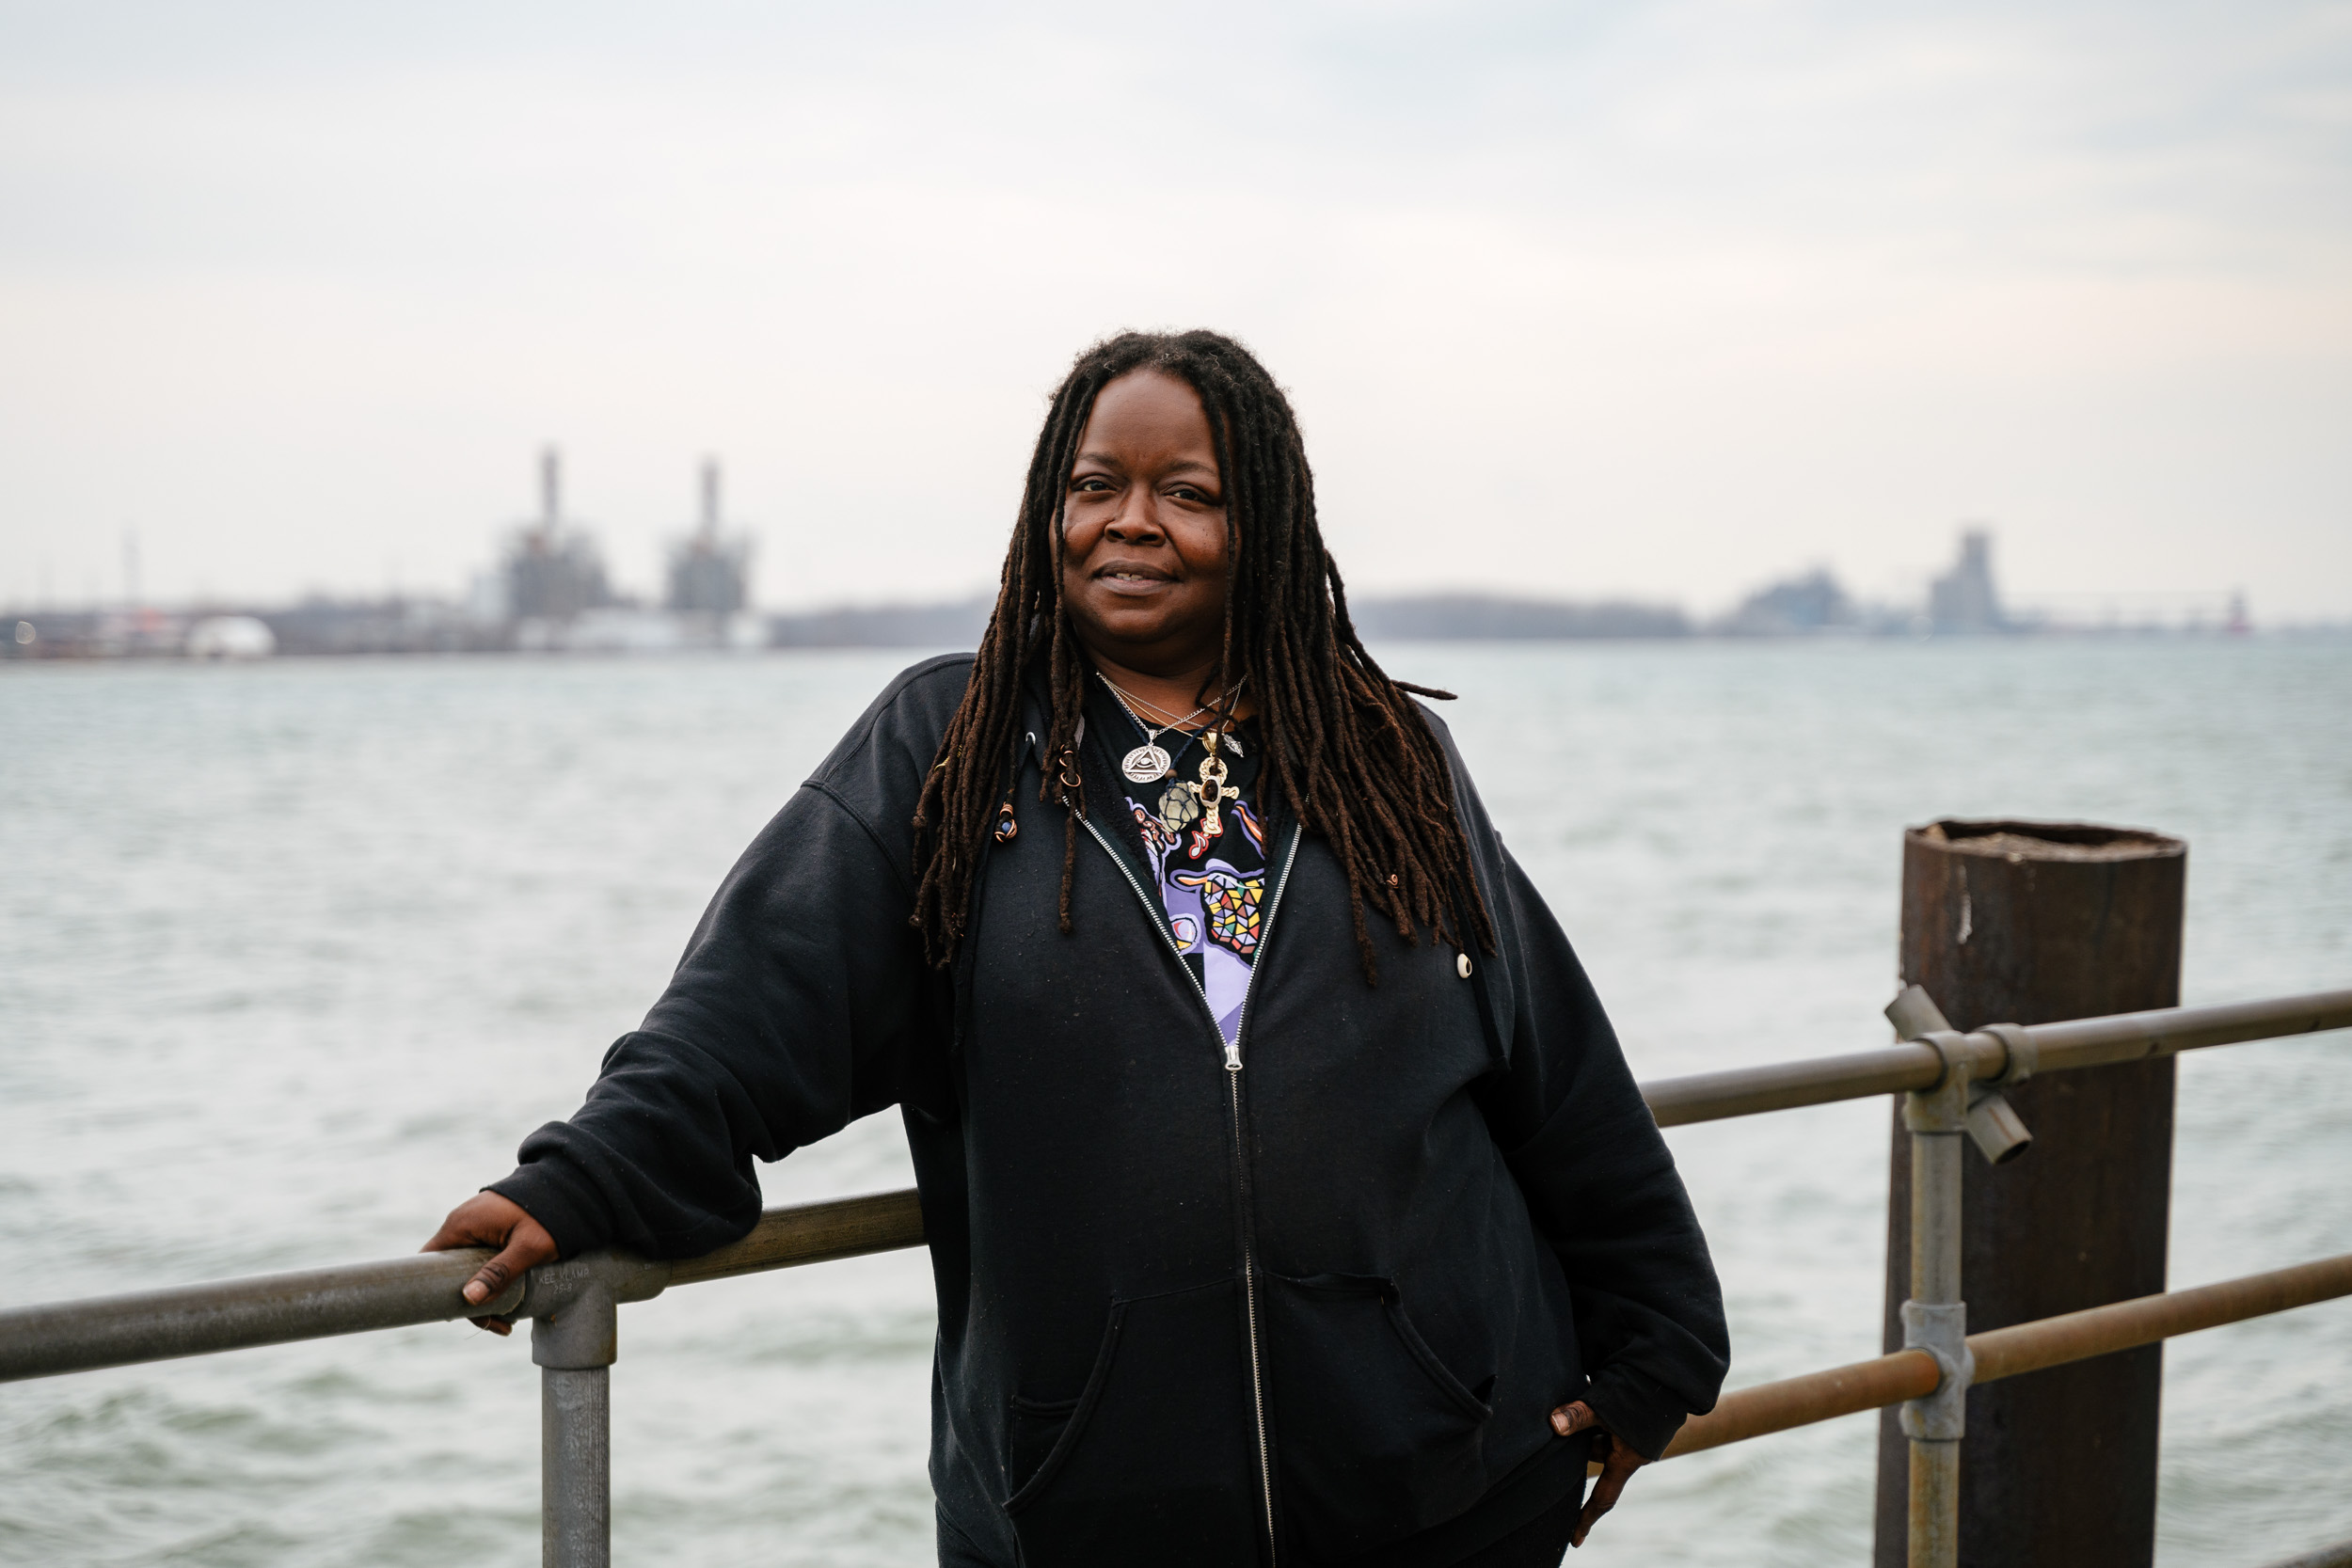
{"type": "Point", "coordinates": [1241, 1171]}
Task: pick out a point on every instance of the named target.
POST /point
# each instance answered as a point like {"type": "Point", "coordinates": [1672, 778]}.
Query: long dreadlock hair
{"type": "Point", "coordinates": [1347, 752]}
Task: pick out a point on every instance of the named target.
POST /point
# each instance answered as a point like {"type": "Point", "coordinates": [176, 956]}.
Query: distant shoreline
{"type": "Point", "coordinates": [408, 626]}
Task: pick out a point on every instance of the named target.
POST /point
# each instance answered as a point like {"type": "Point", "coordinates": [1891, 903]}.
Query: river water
{"type": "Point", "coordinates": [292, 955]}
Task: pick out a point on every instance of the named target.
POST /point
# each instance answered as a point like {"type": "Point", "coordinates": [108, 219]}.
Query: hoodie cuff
{"type": "Point", "coordinates": [1636, 1408]}
{"type": "Point", "coordinates": [565, 1204]}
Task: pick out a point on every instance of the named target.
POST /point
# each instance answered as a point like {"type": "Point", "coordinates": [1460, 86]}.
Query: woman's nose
{"type": "Point", "coordinates": [1136, 522]}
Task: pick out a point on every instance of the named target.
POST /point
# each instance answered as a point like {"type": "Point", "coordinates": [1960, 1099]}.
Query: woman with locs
{"type": "Point", "coordinates": [1288, 1197]}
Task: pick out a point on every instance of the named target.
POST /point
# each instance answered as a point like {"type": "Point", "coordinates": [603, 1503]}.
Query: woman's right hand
{"type": "Point", "coordinates": [488, 1220]}
{"type": "Point", "coordinates": [1618, 1460]}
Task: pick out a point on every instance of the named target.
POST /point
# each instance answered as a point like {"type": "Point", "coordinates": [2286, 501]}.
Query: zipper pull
{"type": "Point", "coordinates": [1232, 1057]}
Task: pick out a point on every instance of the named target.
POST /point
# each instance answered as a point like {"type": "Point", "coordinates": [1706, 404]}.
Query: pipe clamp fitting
{"type": "Point", "coordinates": [1942, 1107]}
{"type": "Point", "coordinates": [1941, 1331]}
{"type": "Point", "coordinates": [583, 1332]}
{"type": "Point", "coordinates": [2021, 1056]}
{"type": "Point", "coordinates": [571, 1304]}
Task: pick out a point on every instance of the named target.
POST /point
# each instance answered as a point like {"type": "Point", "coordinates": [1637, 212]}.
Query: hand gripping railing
{"type": "Point", "coordinates": [1951, 1080]}
{"type": "Point", "coordinates": [572, 1307]}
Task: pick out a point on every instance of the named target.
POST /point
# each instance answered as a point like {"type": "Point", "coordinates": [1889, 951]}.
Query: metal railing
{"type": "Point", "coordinates": [1951, 1083]}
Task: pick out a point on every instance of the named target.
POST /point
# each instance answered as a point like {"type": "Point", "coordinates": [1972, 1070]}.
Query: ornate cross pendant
{"type": "Point", "coordinates": [1211, 790]}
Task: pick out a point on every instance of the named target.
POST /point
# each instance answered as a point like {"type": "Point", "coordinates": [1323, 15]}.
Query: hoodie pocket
{"type": "Point", "coordinates": [1035, 1427]}
{"type": "Point", "coordinates": [1378, 1438]}
{"type": "Point", "coordinates": [1151, 1464]}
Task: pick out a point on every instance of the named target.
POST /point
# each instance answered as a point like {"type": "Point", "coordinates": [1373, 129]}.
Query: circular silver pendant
{"type": "Point", "coordinates": [1144, 764]}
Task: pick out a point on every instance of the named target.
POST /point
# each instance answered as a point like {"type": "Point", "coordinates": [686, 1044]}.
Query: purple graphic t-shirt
{"type": "Point", "coordinates": [1213, 887]}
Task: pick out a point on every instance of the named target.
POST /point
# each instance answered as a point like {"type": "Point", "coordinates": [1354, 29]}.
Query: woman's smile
{"type": "Point", "coordinates": [1127, 578]}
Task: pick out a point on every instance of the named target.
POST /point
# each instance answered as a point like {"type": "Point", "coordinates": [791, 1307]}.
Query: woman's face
{"type": "Point", "coordinates": [1143, 551]}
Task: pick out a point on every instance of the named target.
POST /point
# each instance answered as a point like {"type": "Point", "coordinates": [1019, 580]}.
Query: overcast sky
{"type": "Point", "coordinates": [1660, 300]}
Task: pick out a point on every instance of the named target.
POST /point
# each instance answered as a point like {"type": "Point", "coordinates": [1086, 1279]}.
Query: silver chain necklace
{"type": "Point", "coordinates": [1150, 761]}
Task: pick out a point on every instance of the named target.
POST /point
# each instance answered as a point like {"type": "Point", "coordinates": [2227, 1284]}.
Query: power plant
{"type": "Point", "coordinates": [550, 593]}
{"type": "Point", "coordinates": [553, 570]}
{"type": "Point", "coordinates": [709, 575]}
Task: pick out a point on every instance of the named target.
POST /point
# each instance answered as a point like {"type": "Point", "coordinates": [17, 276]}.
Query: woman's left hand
{"type": "Point", "coordinates": [1617, 1464]}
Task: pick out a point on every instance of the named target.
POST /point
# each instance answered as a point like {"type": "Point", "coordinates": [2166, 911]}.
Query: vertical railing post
{"type": "Point", "coordinates": [1935, 1319]}
{"type": "Point", "coordinates": [574, 1350]}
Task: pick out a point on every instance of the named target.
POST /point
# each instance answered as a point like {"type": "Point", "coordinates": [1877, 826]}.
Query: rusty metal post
{"type": "Point", "coordinates": [2031, 922]}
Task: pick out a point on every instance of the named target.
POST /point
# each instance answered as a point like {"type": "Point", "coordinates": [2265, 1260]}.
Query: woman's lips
{"type": "Point", "coordinates": [1130, 583]}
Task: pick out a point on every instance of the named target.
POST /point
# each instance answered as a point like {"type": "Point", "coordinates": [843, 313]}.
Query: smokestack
{"type": "Point", "coordinates": [551, 486]}
{"type": "Point", "coordinates": [710, 495]}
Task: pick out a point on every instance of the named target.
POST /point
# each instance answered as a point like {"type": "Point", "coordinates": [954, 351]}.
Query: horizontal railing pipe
{"type": "Point", "coordinates": [356, 1298]}
{"type": "Point", "coordinates": [236, 1314]}
{"type": "Point", "coordinates": [2077, 1043]}
{"type": "Point", "coordinates": [813, 1233]}
{"type": "Point", "coordinates": [1786, 1085]}
{"type": "Point", "coordinates": [2166, 1031]}
{"type": "Point", "coordinates": [1999, 1352]}
{"type": "Point", "coordinates": [1798, 1401]}
{"type": "Point", "coordinates": [2143, 1320]}
{"type": "Point", "coordinates": [196, 1319]}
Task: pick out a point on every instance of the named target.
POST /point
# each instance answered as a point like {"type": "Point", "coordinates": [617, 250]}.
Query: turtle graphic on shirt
{"type": "Point", "coordinates": [1231, 904]}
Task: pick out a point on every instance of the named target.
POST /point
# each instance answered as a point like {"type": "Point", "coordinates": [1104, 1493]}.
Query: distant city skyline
{"type": "Point", "coordinates": [1665, 303]}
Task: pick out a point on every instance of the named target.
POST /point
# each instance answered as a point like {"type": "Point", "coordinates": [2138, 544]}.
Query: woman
{"type": "Point", "coordinates": [1288, 1200]}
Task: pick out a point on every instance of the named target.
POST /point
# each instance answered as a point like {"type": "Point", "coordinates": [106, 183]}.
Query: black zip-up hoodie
{"type": "Point", "coordinates": [1306, 1297]}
